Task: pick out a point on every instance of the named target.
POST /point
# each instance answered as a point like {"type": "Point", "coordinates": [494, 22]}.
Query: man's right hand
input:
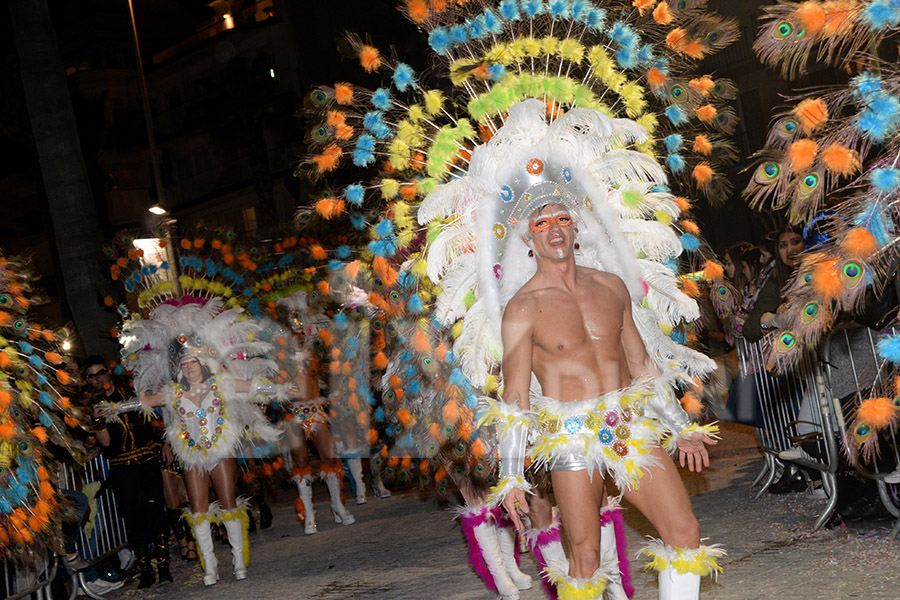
{"type": "Point", "coordinates": [516, 506]}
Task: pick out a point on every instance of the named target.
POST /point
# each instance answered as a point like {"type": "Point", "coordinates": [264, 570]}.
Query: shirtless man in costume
{"type": "Point", "coordinates": [572, 327]}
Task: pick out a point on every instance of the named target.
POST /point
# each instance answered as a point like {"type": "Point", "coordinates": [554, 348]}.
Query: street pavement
{"type": "Point", "coordinates": [407, 548]}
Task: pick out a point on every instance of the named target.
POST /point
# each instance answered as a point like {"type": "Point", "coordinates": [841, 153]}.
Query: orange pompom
{"type": "Point", "coordinates": [380, 361]}
{"type": "Point", "coordinates": [450, 412]}
{"type": "Point", "coordinates": [422, 344]}
{"type": "Point", "coordinates": [812, 16]}
{"type": "Point", "coordinates": [706, 113]}
{"type": "Point", "coordinates": [434, 430]}
{"type": "Point", "coordinates": [108, 301]}
{"type": "Point", "coordinates": [877, 413]}
{"type": "Point", "coordinates": [323, 288]}
{"type": "Point", "coordinates": [418, 10]}
{"type": "Point", "coordinates": [677, 39]}
{"type": "Point", "coordinates": [114, 332]}
{"type": "Point", "coordinates": [395, 381]}
{"type": "Point", "coordinates": [63, 377]}
{"type": "Point", "coordinates": [656, 79]}
{"type": "Point", "coordinates": [248, 477]}
{"type": "Point", "coordinates": [64, 402]}
{"type": "Point", "coordinates": [662, 14]}
{"type": "Point", "coordinates": [369, 59]}
{"type": "Point", "coordinates": [702, 85]}
{"type": "Point", "coordinates": [71, 421]}
{"type": "Point", "coordinates": [811, 113]}
{"type": "Point", "coordinates": [7, 431]}
{"type": "Point", "coordinates": [690, 227]}
{"type": "Point", "coordinates": [343, 94]}
{"type": "Point", "coordinates": [713, 270]}
{"type": "Point", "coordinates": [703, 174]}
{"type": "Point", "coordinates": [440, 474]}
{"type": "Point", "coordinates": [46, 490]}
{"type": "Point", "coordinates": [801, 154]}
{"type": "Point", "coordinates": [841, 160]}
{"type": "Point", "coordinates": [330, 208]}
{"type": "Point", "coordinates": [684, 205]}
{"type": "Point", "coordinates": [186, 244]}
{"type": "Point", "coordinates": [5, 360]}
{"type": "Point", "coordinates": [642, 5]}
{"type": "Point", "coordinates": [405, 417]}
{"type": "Point", "coordinates": [478, 448]}
{"type": "Point", "coordinates": [441, 351]}
{"type": "Point", "coordinates": [690, 288]}
{"type": "Point", "coordinates": [5, 400]}
{"type": "Point", "coordinates": [692, 404]}
{"type": "Point", "coordinates": [53, 358]}
{"type": "Point", "coordinates": [40, 433]}
{"type": "Point", "coordinates": [352, 270]}
{"type": "Point", "coordinates": [362, 419]}
{"type": "Point", "coordinates": [859, 243]}
{"type": "Point", "coordinates": [329, 159]}
{"type": "Point", "coordinates": [694, 49]}
{"type": "Point", "coordinates": [826, 278]}
{"type": "Point", "coordinates": [372, 436]}
{"type": "Point", "coordinates": [325, 336]}
{"type": "Point", "coordinates": [840, 16]}
{"type": "Point", "coordinates": [384, 270]}
{"type": "Point", "coordinates": [702, 145]}
{"type": "Point", "coordinates": [424, 466]}
{"type": "Point", "coordinates": [318, 252]}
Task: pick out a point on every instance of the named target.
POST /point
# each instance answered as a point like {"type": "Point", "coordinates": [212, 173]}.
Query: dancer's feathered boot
{"type": "Point", "coordinates": [506, 536]}
{"type": "Point", "coordinates": [237, 524]}
{"type": "Point", "coordinates": [546, 547]}
{"type": "Point", "coordinates": [333, 477]}
{"type": "Point", "coordinates": [200, 524]}
{"type": "Point", "coordinates": [355, 465]}
{"type": "Point", "coordinates": [305, 511]}
{"type": "Point", "coordinates": [477, 524]}
{"type": "Point", "coordinates": [680, 569]}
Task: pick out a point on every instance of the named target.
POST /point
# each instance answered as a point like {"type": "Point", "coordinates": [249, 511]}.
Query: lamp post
{"type": "Point", "coordinates": [148, 119]}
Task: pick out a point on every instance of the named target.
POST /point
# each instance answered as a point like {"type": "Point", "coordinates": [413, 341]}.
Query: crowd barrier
{"type": "Point", "coordinates": [102, 537]}
{"type": "Point", "coordinates": [803, 411]}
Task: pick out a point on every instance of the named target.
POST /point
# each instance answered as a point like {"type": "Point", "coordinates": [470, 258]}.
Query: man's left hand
{"type": "Point", "coordinates": [693, 452]}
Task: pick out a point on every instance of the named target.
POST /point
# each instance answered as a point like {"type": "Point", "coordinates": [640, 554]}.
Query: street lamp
{"type": "Point", "coordinates": [156, 209]}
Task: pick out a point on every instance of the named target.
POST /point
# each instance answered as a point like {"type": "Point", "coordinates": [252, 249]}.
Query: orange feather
{"type": "Point", "coordinates": [702, 85]}
{"type": "Point", "coordinates": [859, 243]}
{"type": "Point", "coordinates": [706, 113]}
{"type": "Point", "coordinates": [343, 94]}
{"type": "Point", "coordinates": [812, 113]}
{"type": "Point", "coordinates": [656, 78]}
{"type": "Point", "coordinates": [380, 361]}
{"type": "Point", "coordinates": [703, 174]}
{"type": "Point", "coordinates": [329, 159]}
{"type": "Point", "coordinates": [642, 5]}
{"type": "Point", "coordinates": [713, 270]}
{"type": "Point", "coordinates": [801, 154]}
{"type": "Point", "coordinates": [841, 160]}
{"type": "Point", "coordinates": [702, 145]}
{"type": "Point", "coordinates": [878, 413]}
{"type": "Point", "coordinates": [662, 14]}
{"type": "Point", "coordinates": [826, 279]}
{"type": "Point", "coordinates": [812, 15]}
{"type": "Point", "coordinates": [417, 10]}
{"type": "Point", "coordinates": [369, 59]}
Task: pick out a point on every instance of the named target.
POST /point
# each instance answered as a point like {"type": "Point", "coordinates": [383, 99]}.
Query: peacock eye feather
{"type": "Point", "coordinates": [5, 300]}
{"type": "Point", "coordinates": [784, 29]}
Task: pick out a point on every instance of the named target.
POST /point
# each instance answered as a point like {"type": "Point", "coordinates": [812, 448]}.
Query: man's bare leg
{"type": "Point", "coordinates": [579, 498]}
{"type": "Point", "coordinates": [662, 498]}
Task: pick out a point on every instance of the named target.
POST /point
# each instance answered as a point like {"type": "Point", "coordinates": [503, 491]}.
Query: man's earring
{"type": "Point", "coordinates": [577, 246]}
{"type": "Point", "coordinates": [530, 252]}
{"type": "Point", "coordinates": [576, 229]}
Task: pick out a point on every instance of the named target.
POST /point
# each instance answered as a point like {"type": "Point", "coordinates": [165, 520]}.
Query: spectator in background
{"type": "Point", "coordinates": [132, 446]}
{"type": "Point", "coordinates": [760, 295]}
{"type": "Point", "coordinates": [732, 264]}
{"type": "Point", "coordinates": [787, 258]}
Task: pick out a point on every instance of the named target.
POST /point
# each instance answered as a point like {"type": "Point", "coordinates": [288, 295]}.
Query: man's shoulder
{"type": "Point", "coordinates": [604, 278]}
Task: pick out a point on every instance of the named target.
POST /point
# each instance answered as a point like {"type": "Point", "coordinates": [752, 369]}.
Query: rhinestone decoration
{"type": "Point", "coordinates": [535, 166]}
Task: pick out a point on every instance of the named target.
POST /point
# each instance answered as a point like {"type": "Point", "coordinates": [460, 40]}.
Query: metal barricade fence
{"type": "Point", "coordinates": [104, 535]}
{"type": "Point", "coordinates": [28, 580]}
{"type": "Point", "coordinates": [854, 371]}
{"type": "Point", "coordinates": [797, 417]}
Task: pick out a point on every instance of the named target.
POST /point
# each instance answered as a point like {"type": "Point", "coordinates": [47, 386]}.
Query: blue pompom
{"type": "Point", "coordinates": [889, 348]}
{"type": "Point", "coordinates": [881, 14]}
{"type": "Point", "coordinates": [509, 9]}
{"type": "Point", "coordinates": [406, 441]}
{"type": "Point", "coordinates": [676, 115]}
{"type": "Point", "coordinates": [384, 228]}
{"type": "Point", "coordinates": [342, 252]}
{"type": "Point", "coordinates": [627, 58]}
{"type": "Point", "coordinates": [379, 415]}
{"type": "Point", "coordinates": [675, 163]}
{"type": "Point", "coordinates": [45, 398]}
{"type": "Point", "coordinates": [645, 55]}
{"type": "Point", "coordinates": [26, 347]}
{"type": "Point", "coordinates": [491, 22]}
{"type": "Point", "coordinates": [459, 34]}
{"type": "Point", "coordinates": [580, 10]}
{"type": "Point", "coordinates": [404, 77]}
{"type": "Point", "coordinates": [878, 224]}
{"type": "Point", "coordinates": [679, 336]}
{"type": "Point", "coordinates": [497, 72]}
{"type": "Point", "coordinates": [674, 142]}
{"type": "Point", "coordinates": [365, 142]}
{"type": "Point", "coordinates": [471, 400]}
{"type": "Point", "coordinates": [690, 242]}
{"type": "Point", "coordinates": [42, 379]}
{"type": "Point", "coordinates": [623, 35]}
{"type": "Point", "coordinates": [358, 221]}
{"type": "Point", "coordinates": [354, 194]}
{"type": "Point", "coordinates": [457, 378]}
{"type": "Point", "coordinates": [885, 180]}
{"type": "Point", "coordinates": [865, 85]}
{"type": "Point", "coordinates": [341, 321]}
{"type": "Point", "coordinates": [5, 506]}
{"type": "Point", "coordinates": [415, 304]}
{"type": "Point", "coordinates": [334, 265]}
{"type": "Point", "coordinates": [531, 8]}
{"type": "Point", "coordinates": [559, 9]}
{"type": "Point", "coordinates": [390, 429]}
{"type": "Point", "coordinates": [410, 371]}
{"type": "Point", "coordinates": [363, 158]}
{"type": "Point", "coordinates": [413, 387]}
{"type": "Point", "coordinates": [439, 40]}
{"type": "Point", "coordinates": [381, 99]}
{"type": "Point", "coordinates": [45, 419]}
{"type": "Point", "coordinates": [476, 28]}
{"type": "Point", "coordinates": [595, 19]}
{"type": "Point", "coordinates": [449, 356]}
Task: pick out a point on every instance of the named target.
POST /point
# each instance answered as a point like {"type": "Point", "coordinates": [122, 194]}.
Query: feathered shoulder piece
{"type": "Point", "coordinates": [35, 409]}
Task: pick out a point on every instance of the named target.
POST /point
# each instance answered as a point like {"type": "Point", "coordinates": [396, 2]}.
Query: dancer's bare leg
{"type": "Point", "coordinates": [321, 437]}
{"type": "Point", "coordinates": [196, 482]}
{"type": "Point", "coordinates": [224, 478]}
{"type": "Point", "coordinates": [540, 509]}
{"type": "Point", "coordinates": [579, 499]}
{"type": "Point", "coordinates": [663, 500]}
{"type": "Point", "coordinates": [299, 450]}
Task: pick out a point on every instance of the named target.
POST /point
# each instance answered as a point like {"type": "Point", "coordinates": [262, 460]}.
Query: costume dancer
{"type": "Point", "coordinates": [598, 403]}
{"type": "Point", "coordinates": [310, 419]}
{"type": "Point", "coordinates": [209, 402]}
